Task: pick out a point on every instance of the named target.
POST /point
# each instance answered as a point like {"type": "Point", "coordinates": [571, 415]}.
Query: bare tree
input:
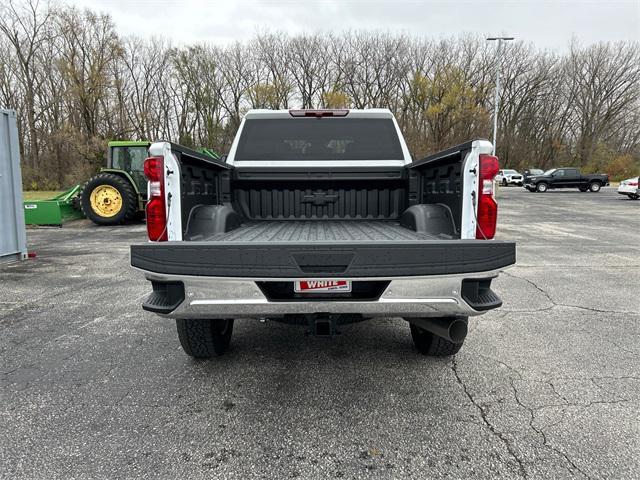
{"type": "Point", "coordinates": [88, 46]}
{"type": "Point", "coordinates": [308, 62]}
{"type": "Point", "coordinates": [27, 28]}
{"type": "Point", "coordinates": [144, 66]}
{"type": "Point", "coordinates": [606, 80]}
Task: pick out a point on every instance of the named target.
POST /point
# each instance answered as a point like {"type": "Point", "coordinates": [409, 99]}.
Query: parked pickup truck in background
{"type": "Point", "coordinates": [509, 177]}
{"type": "Point", "coordinates": [566, 177]}
{"type": "Point", "coordinates": [320, 218]}
{"type": "Point", "coordinates": [530, 172]}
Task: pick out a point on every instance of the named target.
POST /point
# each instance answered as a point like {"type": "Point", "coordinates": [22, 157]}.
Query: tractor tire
{"type": "Point", "coordinates": [432, 345]}
{"type": "Point", "coordinates": [108, 199]}
{"type": "Point", "coordinates": [203, 338]}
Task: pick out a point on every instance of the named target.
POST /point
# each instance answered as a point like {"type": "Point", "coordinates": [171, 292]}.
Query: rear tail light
{"type": "Point", "coordinates": [487, 207]}
{"type": "Point", "coordinates": [156, 206]}
{"type": "Point", "coordinates": [343, 112]}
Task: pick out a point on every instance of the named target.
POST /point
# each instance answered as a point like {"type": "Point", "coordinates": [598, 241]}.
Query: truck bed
{"type": "Point", "coordinates": [321, 231]}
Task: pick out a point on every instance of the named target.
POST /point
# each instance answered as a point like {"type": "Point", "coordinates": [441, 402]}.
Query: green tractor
{"type": "Point", "coordinates": [119, 192]}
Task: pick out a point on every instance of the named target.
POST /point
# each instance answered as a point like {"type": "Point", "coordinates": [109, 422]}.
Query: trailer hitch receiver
{"type": "Point", "coordinates": [323, 325]}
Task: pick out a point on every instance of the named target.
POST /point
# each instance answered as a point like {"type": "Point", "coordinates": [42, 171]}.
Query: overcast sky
{"type": "Point", "coordinates": [547, 24]}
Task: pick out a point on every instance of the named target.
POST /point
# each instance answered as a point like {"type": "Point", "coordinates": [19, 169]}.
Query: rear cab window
{"type": "Point", "coordinates": [319, 139]}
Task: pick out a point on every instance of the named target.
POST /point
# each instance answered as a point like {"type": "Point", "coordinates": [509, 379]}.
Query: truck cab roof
{"type": "Point", "coordinates": [331, 112]}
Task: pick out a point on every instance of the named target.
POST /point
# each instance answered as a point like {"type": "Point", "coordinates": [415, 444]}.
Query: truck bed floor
{"type": "Point", "coordinates": [321, 230]}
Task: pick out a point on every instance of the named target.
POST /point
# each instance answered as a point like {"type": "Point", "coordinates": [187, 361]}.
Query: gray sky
{"type": "Point", "coordinates": [547, 23]}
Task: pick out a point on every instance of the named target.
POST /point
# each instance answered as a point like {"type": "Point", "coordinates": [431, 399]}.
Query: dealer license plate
{"type": "Point", "coordinates": [322, 286]}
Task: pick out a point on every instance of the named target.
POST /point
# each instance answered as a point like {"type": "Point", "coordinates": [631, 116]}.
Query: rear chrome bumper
{"type": "Point", "coordinates": [427, 296]}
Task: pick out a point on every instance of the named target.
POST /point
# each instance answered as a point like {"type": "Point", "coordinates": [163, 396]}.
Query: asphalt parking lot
{"type": "Point", "coordinates": [545, 387]}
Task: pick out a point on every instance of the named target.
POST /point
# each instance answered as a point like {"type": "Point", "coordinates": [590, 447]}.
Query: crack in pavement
{"type": "Point", "coordinates": [572, 466]}
{"type": "Point", "coordinates": [541, 432]}
{"type": "Point", "coordinates": [597, 377]}
{"type": "Point", "coordinates": [555, 304]}
{"type": "Point", "coordinates": [488, 424]}
{"type": "Point", "coordinates": [533, 284]}
{"type": "Point", "coordinates": [558, 394]}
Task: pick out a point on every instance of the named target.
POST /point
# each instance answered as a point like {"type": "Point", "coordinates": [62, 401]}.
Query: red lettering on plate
{"type": "Point", "coordinates": [313, 284]}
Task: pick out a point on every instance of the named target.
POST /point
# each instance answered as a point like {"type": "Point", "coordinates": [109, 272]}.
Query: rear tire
{"type": "Point", "coordinates": [595, 187]}
{"type": "Point", "coordinates": [542, 187]}
{"type": "Point", "coordinates": [432, 345]}
{"type": "Point", "coordinates": [583, 189]}
{"type": "Point", "coordinates": [633, 196]}
{"type": "Point", "coordinates": [108, 199]}
{"type": "Point", "coordinates": [504, 182]}
{"type": "Point", "coordinates": [204, 338]}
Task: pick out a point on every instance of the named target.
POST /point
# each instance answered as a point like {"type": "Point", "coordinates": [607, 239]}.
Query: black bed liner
{"type": "Point", "coordinates": [321, 231]}
{"type": "Point", "coordinates": [284, 249]}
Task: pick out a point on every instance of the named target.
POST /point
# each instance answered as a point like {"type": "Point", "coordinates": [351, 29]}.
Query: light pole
{"type": "Point", "coordinates": [496, 100]}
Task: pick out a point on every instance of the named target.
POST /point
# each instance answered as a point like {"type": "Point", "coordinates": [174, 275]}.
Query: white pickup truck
{"type": "Point", "coordinates": [321, 218]}
{"type": "Point", "coordinates": [509, 177]}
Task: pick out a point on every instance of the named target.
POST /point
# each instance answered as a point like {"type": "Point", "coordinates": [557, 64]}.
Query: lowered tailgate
{"type": "Point", "coordinates": [323, 259]}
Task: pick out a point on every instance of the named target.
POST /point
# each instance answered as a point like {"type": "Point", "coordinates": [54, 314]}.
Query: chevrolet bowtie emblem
{"type": "Point", "coordinates": [320, 198]}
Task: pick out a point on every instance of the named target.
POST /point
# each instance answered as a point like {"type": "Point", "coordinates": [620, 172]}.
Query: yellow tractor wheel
{"type": "Point", "coordinates": [108, 199]}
